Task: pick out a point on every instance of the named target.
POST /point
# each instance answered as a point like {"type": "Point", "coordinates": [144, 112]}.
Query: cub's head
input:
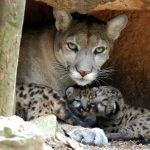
{"type": "Point", "coordinates": [100, 101]}
{"type": "Point", "coordinates": [83, 46]}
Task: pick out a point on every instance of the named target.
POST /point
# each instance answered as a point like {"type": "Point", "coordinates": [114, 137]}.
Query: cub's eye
{"type": "Point", "coordinates": [99, 50]}
{"type": "Point", "coordinates": [76, 103]}
{"type": "Point", "coordinates": [72, 46]}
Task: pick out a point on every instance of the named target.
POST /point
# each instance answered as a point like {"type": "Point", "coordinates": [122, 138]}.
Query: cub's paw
{"type": "Point", "coordinates": [108, 108]}
{"type": "Point", "coordinates": [88, 136]}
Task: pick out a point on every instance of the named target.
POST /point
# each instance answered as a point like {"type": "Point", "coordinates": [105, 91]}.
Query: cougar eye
{"type": "Point", "coordinates": [76, 103]}
{"type": "Point", "coordinates": [99, 50]}
{"type": "Point", "coordinates": [72, 46]}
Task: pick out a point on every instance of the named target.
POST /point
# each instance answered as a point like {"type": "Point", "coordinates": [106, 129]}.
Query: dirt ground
{"type": "Point", "coordinates": [115, 145]}
{"type": "Point", "coordinates": [64, 143]}
{"type": "Point", "coordinates": [122, 145]}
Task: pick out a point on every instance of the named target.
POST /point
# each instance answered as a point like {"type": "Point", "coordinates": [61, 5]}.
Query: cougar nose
{"type": "Point", "coordinates": [83, 72]}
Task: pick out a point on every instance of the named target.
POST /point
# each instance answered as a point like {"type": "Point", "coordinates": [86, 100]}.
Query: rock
{"type": "Point", "coordinates": [86, 6]}
{"type": "Point", "coordinates": [15, 134]}
{"type": "Point", "coordinates": [83, 6]}
{"type": "Point", "coordinates": [48, 124]}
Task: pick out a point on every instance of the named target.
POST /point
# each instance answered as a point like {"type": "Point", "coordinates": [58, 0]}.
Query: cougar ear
{"type": "Point", "coordinates": [63, 19]}
{"type": "Point", "coordinates": [116, 25]}
{"type": "Point", "coordinates": [69, 91]}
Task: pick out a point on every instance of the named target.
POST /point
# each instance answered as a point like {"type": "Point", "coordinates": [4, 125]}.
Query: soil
{"type": "Point", "coordinates": [115, 145]}
{"type": "Point", "coordinates": [65, 143]}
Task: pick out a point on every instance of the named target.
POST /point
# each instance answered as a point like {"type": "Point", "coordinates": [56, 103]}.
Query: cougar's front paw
{"type": "Point", "coordinates": [88, 136]}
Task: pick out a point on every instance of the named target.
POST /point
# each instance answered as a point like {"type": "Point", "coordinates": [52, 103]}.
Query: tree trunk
{"type": "Point", "coordinates": [11, 21]}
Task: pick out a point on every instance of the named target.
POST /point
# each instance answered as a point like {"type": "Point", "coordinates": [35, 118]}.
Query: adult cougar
{"type": "Point", "coordinates": [72, 51]}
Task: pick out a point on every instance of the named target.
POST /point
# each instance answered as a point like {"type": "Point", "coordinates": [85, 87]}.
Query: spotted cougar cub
{"type": "Point", "coordinates": [33, 101]}
{"type": "Point", "coordinates": [71, 51]}
{"type": "Point", "coordinates": [119, 120]}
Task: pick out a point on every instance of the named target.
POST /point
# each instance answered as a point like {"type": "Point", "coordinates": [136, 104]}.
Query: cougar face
{"type": "Point", "coordinates": [82, 47]}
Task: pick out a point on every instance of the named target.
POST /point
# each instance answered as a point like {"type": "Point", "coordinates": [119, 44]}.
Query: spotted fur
{"type": "Point", "coordinates": [33, 101]}
{"type": "Point", "coordinates": [119, 120]}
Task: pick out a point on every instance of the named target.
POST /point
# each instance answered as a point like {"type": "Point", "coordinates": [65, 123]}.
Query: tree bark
{"type": "Point", "coordinates": [11, 21]}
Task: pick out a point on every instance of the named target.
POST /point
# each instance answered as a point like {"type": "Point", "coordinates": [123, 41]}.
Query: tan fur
{"type": "Point", "coordinates": [119, 120]}
{"type": "Point", "coordinates": [37, 62]}
{"type": "Point", "coordinates": [46, 59]}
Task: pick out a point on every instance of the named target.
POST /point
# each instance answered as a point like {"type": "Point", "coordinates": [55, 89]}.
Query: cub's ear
{"type": "Point", "coordinates": [69, 91]}
{"type": "Point", "coordinates": [63, 19]}
{"type": "Point", "coordinates": [96, 90]}
{"type": "Point", "coordinates": [116, 25]}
